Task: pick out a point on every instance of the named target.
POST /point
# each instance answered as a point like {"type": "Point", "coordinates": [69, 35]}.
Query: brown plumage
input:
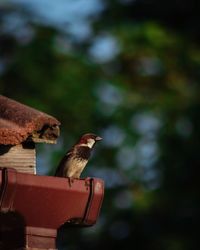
{"type": "Point", "coordinates": [75, 160]}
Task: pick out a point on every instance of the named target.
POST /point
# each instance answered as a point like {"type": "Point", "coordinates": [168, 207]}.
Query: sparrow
{"type": "Point", "coordinates": [75, 160]}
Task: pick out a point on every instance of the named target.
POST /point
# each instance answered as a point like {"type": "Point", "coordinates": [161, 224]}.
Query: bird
{"type": "Point", "coordinates": [75, 160]}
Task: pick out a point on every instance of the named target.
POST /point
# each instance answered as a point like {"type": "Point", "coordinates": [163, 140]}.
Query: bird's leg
{"type": "Point", "coordinates": [70, 180]}
{"type": "Point", "coordinates": [87, 182]}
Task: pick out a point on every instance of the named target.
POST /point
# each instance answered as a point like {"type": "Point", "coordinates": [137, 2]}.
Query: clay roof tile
{"type": "Point", "coordinates": [19, 122]}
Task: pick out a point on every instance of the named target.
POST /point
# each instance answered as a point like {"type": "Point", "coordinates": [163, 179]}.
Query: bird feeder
{"type": "Point", "coordinates": [33, 207]}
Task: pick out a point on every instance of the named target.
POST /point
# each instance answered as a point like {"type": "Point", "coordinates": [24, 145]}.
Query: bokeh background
{"type": "Point", "coordinates": [128, 70]}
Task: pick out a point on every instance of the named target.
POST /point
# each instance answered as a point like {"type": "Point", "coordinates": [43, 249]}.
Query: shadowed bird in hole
{"type": "Point", "coordinates": [75, 160]}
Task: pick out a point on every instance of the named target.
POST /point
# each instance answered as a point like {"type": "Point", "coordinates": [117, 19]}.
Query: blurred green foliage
{"type": "Point", "coordinates": [144, 102]}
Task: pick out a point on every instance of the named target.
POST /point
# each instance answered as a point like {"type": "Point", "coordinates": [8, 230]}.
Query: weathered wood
{"type": "Point", "coordinates": [46, 135]}
{"type": "Point", "coordinates": [22, 157]}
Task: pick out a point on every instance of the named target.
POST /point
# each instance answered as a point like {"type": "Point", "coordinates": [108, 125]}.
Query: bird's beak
{"type": "Point", "coordinates": [98, 138]}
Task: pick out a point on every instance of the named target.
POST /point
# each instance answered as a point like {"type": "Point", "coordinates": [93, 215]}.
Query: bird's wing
{"type": "Point", "coordinates": [61, 166]}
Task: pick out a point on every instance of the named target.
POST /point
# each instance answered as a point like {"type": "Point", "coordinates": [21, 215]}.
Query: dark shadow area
{"type": "Point", "coordinates": [64, 238]}
{"type": "Point", "coordinates": [28, 145]}
{"type": "Point", "coordinates": [4, 149]}
{"type": "Point", "coordinates": [12, 231]}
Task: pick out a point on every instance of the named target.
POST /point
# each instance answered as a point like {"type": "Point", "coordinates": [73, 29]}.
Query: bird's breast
{"type": "Point", "coordinates": [83, 152]}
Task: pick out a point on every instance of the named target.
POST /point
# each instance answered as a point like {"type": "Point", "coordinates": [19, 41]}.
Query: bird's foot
{"type": "Point", "coordinates": [71, 181]}
{"type": "Point", "coordinates": [87, 182]}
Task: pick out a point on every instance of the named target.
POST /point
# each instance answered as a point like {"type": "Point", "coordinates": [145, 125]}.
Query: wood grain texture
{"type": "Point", "coordinates": [21, 157]}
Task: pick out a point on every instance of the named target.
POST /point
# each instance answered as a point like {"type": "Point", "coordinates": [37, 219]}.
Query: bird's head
{"type": "Point", "coordinates": [89, 140]}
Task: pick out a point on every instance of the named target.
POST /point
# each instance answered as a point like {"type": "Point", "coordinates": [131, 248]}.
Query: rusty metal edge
{"type": "Point", "coordinates": [86, 218]}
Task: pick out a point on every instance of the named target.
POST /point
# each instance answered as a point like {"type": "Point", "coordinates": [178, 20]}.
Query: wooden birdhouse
{"type": "Point", "coordinates": [21, 127]}
{"type": "Point", "coordinates": [33, 207]}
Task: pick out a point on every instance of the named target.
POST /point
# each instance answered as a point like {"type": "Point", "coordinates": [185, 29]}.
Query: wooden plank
{"type": "Point", "coordinates": [21, 157]}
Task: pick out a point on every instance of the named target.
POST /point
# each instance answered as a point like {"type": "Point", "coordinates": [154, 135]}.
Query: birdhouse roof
{"type": "Point", "coordinates": [19, 123]}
